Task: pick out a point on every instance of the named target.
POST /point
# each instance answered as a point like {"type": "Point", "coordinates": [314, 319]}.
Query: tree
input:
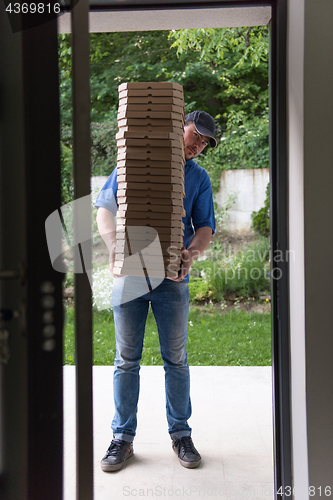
{"type": "Point", "coordinates": [238, 57]}
{"type": "Point", "coordinates": [223, 71]}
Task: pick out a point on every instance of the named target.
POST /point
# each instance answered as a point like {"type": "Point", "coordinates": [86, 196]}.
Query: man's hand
{"type": "Point", "coordinates": [185, 265]}
{"type": "Point", "coordinates": [199, 243]}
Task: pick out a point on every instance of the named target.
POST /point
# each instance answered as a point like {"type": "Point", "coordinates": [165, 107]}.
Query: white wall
{"type": "Point", "coordinates": [296, 244]}
{"type": "Point", "coordinates": [311, 237]}
{"type": "Point", "coordinates": [250, 187]}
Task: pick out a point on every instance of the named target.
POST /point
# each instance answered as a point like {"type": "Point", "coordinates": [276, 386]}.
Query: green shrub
{"type": "Point", "coordinates": [244, 273]}
{"type": "Point", "coordinates": [200, 290]}
{"type": "Point", "coordinates": [260, 219]}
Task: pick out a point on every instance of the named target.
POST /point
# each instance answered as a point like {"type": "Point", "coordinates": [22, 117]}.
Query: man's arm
{"type": "Point", "coordinates": [107, 229]}
{"type": "Point", "coordinates": [199, 243]}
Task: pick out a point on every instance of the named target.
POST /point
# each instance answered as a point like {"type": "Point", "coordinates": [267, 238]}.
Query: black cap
{"type": "Point", "coordinates": [204, 123]}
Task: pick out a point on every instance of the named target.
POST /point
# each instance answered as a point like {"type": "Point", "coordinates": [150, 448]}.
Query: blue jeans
{"type": "Point", "coordinates": [170, 303]}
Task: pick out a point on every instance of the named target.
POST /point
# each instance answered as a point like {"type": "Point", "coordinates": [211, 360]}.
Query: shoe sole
{"type": "Point", "coordinates": [113, 468]}
{"type": "Point", "coordinates": [189, 465]}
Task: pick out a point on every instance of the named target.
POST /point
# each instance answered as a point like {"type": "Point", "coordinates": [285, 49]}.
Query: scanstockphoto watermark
{"type": "Point", "coordinates": [228, 274]}
{"type": "Point", "coordinates": [159, 491]}
{"type": "Point", "coordinates": [250, 264]}
{"type": "Point", "coordinates": [228, 254]}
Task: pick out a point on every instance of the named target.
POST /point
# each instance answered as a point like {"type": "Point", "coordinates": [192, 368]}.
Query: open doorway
{"type": "Point", "coordinates": [127, 16]}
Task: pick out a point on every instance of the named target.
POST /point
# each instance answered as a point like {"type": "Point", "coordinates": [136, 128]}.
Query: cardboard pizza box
{"type": "Point", "coordinates": [161, 231]}
{"type": "Point", "coordinates": [169, 253]}
{"type": "Point", "coordinates": [163, 259]}
{"type": "Point", "coordinates": [171, 240]}
{"type": "Point", "coordinates": [129, 268]}
{"type": "Point", "coordinates": [155, 175]}
{"type": "Point", "coordinates": [155, 223]}
{"type": "Point", "coordinates": [132, 162]}
{"type": "Point", "coordinates": [159, 115]}
{"type": "Point", "coordinates": [179, 94]}
{"type": "Point", "coordinates": [150, 199]}
{"type": "Point", "coordinates": [151, 193]}
{"type": "Point", "coordinates": [173, 155]}
{"type": "Point", "coordinates": [150, 85]}
{"type": "Point", "coordinates": [150, 143]}
{"type": "Point", "coordinates": [150, 211]}
{"type": "Point", "coordinates": [124, 262]}
{"type": "Point", "coordinates": [147, 200]}
{"type": "Point", "coordinates": [161, 179]}
{"type": "Point", "coordinates": [148, 191]}
{"type": "Point", "coordinates": [142, 272]}
{"type": "Point", "coordinates": [129, 133]}
{"type": "Point", "coordinates": [167, 179]}
{"type": "Point", "coordinates": [176, 150]}
{"type": "Point", "coordinates": [149, 258]}
{"type": "Point", "coordinates": [169, 108]}
{"type": "Point", "coordinates": [153, 150]}
{"type": "Point", "coordinates": [166, 258]}
{"type": "Point", "coordinates": [149, 186]}
{"type": "Point", "coordinates": [148, 215]}
{"type": "Point", "coordinates": [135, 230]}
{"type": "Point", "coordinates": [147, 169]}
{"type": "Point", "coordinates": [153, 209]}
{"type": "Point", "coordinates": [151, 155]}
{"type": "Point", "coordinates": [148, 99]}
{"type": "Point", "coordinates": [147, 127]}
{"type": "Point", "coordinates": [152, 262]}
{"type": "Point", "coordinates": [176, 240]}
{"type": "Point", "coordinates": [162, 124]}
{"type": "Point", "coordinates": [153, 171]}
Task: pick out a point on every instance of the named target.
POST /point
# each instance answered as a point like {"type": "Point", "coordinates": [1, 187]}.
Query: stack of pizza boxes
{"type": "Point", "coordinates": [150, 176]}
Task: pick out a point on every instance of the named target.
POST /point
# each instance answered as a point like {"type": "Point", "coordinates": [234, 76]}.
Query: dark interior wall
{"type": "Point", "coordinates": [318, 199]}
{"type": "Point", "coordinates": [31, 377]}
{"type": "Point", "coordinates": [13, 374]}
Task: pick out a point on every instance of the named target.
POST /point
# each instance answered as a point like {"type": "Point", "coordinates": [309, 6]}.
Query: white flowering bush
{"type": "Point", "coordinates": [102, 288]}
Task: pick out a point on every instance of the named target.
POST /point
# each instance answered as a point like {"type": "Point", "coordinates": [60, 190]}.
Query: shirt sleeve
{"type": "Point", "coordinates": [107, 197]}
{"type": "Point", "coordinates": [203, 207]}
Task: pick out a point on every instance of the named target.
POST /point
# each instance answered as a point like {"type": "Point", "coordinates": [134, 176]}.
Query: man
{"type": "Point", "coordinates": [170, 304]}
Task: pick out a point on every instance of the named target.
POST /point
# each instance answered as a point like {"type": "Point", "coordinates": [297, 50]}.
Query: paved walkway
{"type": "Point", "coordinates": [232, 429]}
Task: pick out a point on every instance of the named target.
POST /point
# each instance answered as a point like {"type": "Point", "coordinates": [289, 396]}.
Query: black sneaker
{"type": "Point", "coordinates": [188, 456]}
{"type": "Point", "coordinates": [118, 452]}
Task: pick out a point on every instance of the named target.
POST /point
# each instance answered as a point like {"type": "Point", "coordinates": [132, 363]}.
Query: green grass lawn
{"type": "Point", "coordinates": [234, 338]}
